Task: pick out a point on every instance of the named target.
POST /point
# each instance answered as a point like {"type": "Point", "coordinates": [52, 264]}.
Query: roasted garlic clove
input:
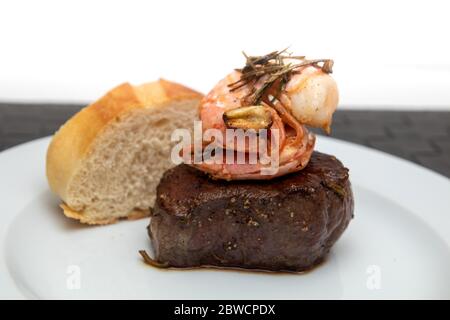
{"type": "Point", "coordinates": [251, 117]}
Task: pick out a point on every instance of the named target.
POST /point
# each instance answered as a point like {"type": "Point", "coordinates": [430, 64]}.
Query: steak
{"type": "Point", "coordinates": [285, 224]}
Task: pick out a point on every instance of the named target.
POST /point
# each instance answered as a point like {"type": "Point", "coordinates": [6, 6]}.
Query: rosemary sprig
{"type": "Point", "coordinates": [148, 260]}
{"type": "Point", "coordinates": [277, 72]}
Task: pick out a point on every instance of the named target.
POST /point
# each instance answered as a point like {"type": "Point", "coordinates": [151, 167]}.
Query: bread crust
{"type": "Point", "coordinates": [72, 142]}
{"type": "Point", "coordinates": [70, 213]}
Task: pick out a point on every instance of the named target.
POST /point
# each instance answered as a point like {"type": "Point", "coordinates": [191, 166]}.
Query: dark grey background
{"type": "Point", "coordinates": [420, 136]}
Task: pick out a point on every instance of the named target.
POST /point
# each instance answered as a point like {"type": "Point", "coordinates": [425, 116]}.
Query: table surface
{"type": "Point", "coordinates": [422, 137]}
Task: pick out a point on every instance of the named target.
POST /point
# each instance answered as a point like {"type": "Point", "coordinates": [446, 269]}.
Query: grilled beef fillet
{"type": "Point", "coordinates": [285, 224]}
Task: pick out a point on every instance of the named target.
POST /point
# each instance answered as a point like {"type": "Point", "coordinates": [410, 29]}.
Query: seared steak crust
{"type": "Point", "coordinates": [284, 224]}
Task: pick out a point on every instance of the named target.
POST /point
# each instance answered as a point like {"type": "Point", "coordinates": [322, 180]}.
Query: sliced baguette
{"type": "Point", "coordinates": [106, 161]}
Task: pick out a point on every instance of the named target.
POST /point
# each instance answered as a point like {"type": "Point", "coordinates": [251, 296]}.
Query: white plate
{"type": "Point", "coordinates": [396, 247]}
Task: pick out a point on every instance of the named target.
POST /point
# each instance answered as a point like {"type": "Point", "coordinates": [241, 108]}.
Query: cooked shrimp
{"type": "Point", "coordinates": [309, 97]}
{"type": "Point", "coordinates": [312, 97]}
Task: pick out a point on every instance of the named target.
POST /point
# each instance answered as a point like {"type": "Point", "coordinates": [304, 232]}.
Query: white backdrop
{"type": "Point", "coordinates": [387, 54]}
